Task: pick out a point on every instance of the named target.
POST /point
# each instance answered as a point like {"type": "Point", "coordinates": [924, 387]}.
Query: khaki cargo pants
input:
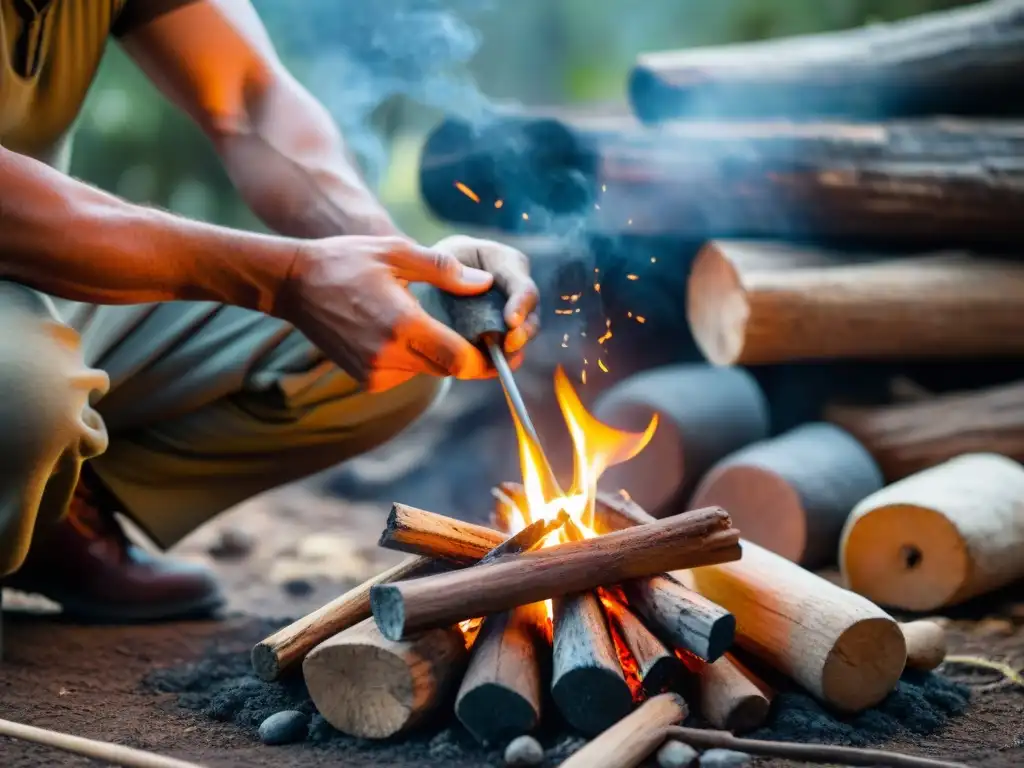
{"type": "Point", "coordinates": [183, 409]}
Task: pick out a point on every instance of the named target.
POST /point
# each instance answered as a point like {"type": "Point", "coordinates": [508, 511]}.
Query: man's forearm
{"type": "Point", "coordinates": [77, 242]}
{"type": "Point", "coordinates": [291, 166]}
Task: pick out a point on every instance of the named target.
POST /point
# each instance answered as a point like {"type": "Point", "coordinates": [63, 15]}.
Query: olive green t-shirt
{"type": "Point", "coordinates": [49, 53]}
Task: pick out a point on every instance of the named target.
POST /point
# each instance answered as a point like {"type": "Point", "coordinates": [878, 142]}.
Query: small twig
{"type": "Point", "coordinates": [97, 750]}
{"type": "Point", "coordinates": [1009, 674]}
{"type": "Point", "coordinates": [811, 753]}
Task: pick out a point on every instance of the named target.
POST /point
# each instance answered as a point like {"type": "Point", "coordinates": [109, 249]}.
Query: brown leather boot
{"type": "Point", "coordinates": [88, 565]}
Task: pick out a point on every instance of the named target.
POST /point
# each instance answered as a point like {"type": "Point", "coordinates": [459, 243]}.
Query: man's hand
{"type": "Point", "coordinates": [348, 295]}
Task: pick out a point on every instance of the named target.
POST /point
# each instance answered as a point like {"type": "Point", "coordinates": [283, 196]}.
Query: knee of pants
{"type": "Point", "coordinates": [45, 391]}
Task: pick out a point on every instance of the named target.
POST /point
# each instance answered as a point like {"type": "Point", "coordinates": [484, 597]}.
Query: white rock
{"type": "Point", "coordinates": [676, 754]}
{"type": "Point", "coordinates": [524, 750]}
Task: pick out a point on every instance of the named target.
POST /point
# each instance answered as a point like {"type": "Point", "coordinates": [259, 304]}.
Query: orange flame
{"type": "Point", "coordinates": [630, 668]}
{"type": "Point", "coordinates": [596, 447]}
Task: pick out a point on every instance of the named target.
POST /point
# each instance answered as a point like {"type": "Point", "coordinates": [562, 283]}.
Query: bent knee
{"type": "Point", "coordinates": [45, 389]}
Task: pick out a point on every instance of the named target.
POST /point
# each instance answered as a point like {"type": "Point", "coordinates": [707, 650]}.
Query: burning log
{"type": "Point", "coordinates": [732, 698]}
{"type": "Point", "coordinates": [500, 697]}
{"type": "Point", "coordinates": [286, 648]}
{"type": "Point", "coordinates": [960, 62]}
{"type": "Point", "coordinates": [368, 686]}
{"type": "Point", "coordinates": [813, 304]}
{"type": "Point", "coordinates": [926, 644]}
{"type": "Point", "coordinates": [631, 740]}
{"type": "Point", "coordinates": [587, 680]}
{"type": "Point", "coordinates": [699, 538]}
{"type": "Point", "coordinates": [681, 617]}
{"type": "Point", "coordinates": [939, 537]}
{"type": "Point", "coordinates": [408, 528]}
{"type": "Point", "coordinates": [840, 647]}
{"type": "Point", "coordinates": [656, 668]}
{"type": "Point", "coordinates": [704, 414]}
{"type": "Point", "coordinates": [910, 437]}
{"type": "Point", "coordinates": [792, 494]}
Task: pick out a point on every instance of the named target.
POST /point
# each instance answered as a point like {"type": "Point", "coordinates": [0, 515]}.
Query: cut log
{"type": "Point", "coordinates": [650, 667]}
{"type": "Point", "coordinates": [500, 697]}
{"type": "Point", "coordinates": [840, 647]}
{"type": "Point", "coordinates": [285, 649]}
{"type": "Point", "coordinates": [587, 682]}
{"type": "Point", "coordinates": [814, 305]}
{"type": "Point", "coordinates": [939, 537]}
{"type": "Point", "coordinates": [681, 617]}
{"type": "Point", "coordinates": [910, 437]}
{"type": "Point", "coordinates": [368, 686]}
{"type": "Point", "coordinates": [408, 528]}
{"type": "Point", "coordinates": [631, 740]}
{"type": "Point", "coordinates": [792, 494]}
{"type": "Point", "coordinates": [926, 644]}
{"type": "Point", "coordinates": [698, 538]}
{"type": "Point", "coordinates": [926, 184]}
{"type": "Point", "coordinates": [963, 61]}
{"type": "Point", "coordinates": [704, 414]}
{"type": "Point", "coordinates": [732, 698]}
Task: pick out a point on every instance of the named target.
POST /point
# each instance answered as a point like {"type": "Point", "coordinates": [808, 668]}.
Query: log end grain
{"type": "Point", "coordinates": [938, 537]}
{"type": "Point", "coordinates": [732, 698]}
{"type": "Point", "coordinates": [265, 662]}
{"type": "Point", "coordinates": [367, 686]}
{"type": "Point", "coordinates": [592, 699]}
{"type": "Point", "coordinates": [864, 664]}
{"type": "Point", "coordinates": [476, 708]}
{"type": "Point", "coordinates": [717, 307]}
{"type": "Point", "coordinates": [388, 609]}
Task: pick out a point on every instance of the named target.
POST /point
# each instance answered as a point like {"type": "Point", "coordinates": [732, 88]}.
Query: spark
{"type": "Point", "coordinates": [629, 223]}
{"type": "Point", "coordinates": [498, 203]}
{"type": "Point", "coordinates": [608, 332]}
{"type": "Point", "coordinates": [577, 309]}
{"type": "Point", "coordinates": [625, 494]}
{"type": "Point", "coordinates": [565, 298]}
{"type": "Point", "coordinates": [526, 216]}
{"type": "Point", "coordinates": [563, 311]}
{"type": "Point", "coordinates": [604, 187]}
{"type": "Point", "coordinates": [597, 207]}
{"type": "Point", "coordinates": [632, 277]}
{"type": "Point", "coordinates": [601, 365]}
{"type": "Point", "coordinates": [653, 260]}
{"type": "Point", "coordinates": [629, 314]}
{"type": "Point", "coordinates": [597, 287]}
{"type": "Point", "coordinates": [641, 319]}
{"type": "Point", "coordinates": [467, 192]}
{"type": "Point", "coordinates": [565, 340]}
{"type": "Point", "coordinates": [583, 377]}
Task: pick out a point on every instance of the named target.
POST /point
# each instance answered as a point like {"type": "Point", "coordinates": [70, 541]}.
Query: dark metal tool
{"type": "Point", "coordinates": [481, 320]}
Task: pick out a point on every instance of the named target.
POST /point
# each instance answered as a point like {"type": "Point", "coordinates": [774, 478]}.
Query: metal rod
{"type": "Point", "coordinates": [515, 399]}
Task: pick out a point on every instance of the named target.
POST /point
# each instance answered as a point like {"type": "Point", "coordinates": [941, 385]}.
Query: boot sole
{"type": "Point", "coordinates": [78, 610]}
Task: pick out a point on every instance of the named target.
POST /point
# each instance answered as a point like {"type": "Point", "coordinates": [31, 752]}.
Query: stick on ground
{"type": "Point", "coordinates": [811, 753]}
{"type": "Point", "coordinates": [97, 750]}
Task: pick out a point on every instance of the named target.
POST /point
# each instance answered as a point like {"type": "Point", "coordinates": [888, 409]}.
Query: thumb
{"type": "Point", "coordinates": [417, 264]}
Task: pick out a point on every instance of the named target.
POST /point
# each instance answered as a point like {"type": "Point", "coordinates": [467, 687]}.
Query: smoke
{"type": "Point", "coordinates": [357, 56]}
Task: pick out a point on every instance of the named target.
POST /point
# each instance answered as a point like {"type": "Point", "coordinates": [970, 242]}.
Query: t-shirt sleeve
{"type": "Point", "coordinates": [136, 13]}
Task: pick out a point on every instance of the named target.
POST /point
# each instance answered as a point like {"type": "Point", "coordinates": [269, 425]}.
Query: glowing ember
{"type": "Point", "coordinates": [601, 365]}
{"type": "Point", "coordinates": [526, 216]}
{"type": "Point", "coordinates": [641, 319]}
{"type": "Point", "coordinates": [632, 277]}
{"type": "Point", "coordinates": [608, 332]}
{"type": "Point", "coordinates": [498, 203]}
{"type": "Point", "coordinates": [467, 192]}
{"type": "Point", "coordinates": [470, 628]}
{"type": "Point", "coordinates": [630, 668]}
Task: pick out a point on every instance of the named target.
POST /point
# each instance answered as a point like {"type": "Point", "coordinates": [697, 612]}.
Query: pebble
{"type": "Point", "coordinates": [723, 758]}
{"type": "Point", "coordinates": [231, 543]}
{"type": "Point", "coordinates": [284, 727]}
{"type": "Point", "coordinates": [524, 750]}
{"type": "Point", "coordinates": [297, 587]}
{"type": "Point", "coordinates": [676, 754]}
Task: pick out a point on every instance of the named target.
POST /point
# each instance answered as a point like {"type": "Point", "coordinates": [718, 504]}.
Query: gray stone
{"type": "Point", "coordinates": [231, 543]}
{"type": "Point", "coordinates": [524, 750]}
{"type": "Point", "coordinates": [676, 754]}
{"type": "Point", "coordinates": [724, 758]}
{"type": "Point", "coordinates": [284, 727]}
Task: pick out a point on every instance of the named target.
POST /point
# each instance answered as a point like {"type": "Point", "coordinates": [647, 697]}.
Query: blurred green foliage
{"type": "Point", "coordinates": [132, 142]}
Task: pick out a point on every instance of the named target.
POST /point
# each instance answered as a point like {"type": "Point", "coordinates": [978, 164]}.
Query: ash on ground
{"type": "Point", "coordinates": [222, 687]}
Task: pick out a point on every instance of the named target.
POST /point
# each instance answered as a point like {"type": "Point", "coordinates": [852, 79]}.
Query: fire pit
{"type": "Point", "coordinates": [589, 597]}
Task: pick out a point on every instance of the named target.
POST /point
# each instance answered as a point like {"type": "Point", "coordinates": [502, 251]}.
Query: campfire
{"type": "Point", "coordinates": [589, 597]}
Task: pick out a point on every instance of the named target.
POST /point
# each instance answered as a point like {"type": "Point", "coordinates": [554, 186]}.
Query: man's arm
{"type": "Point", "coordinates": [75, 241]}
{"type": "Point", "coordinates": [213, 59]}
